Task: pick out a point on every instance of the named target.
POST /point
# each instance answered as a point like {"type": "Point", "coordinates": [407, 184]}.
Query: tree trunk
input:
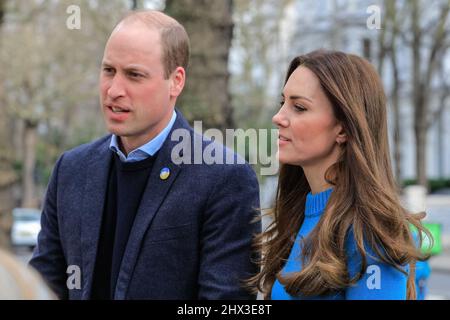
{"type": "Point", "coordinates": [391, 23]}
{"type": "Point", "coordinates": [441, 146]}
{"type": "Point", "coordinates": [420, 119]}
{"type": "Point", "coordinates": [396, 109]}
{"type": "Point", "coordinates": [2, 11]}
{"type": "Point", "coordinates": [29, 165]}
{"type": "Point", "coordinates": [420, 131]}
{"type": "Point", "coordinates": [17, 127]}
{"type": "Point", "coordinates": [210, 27]}
{"type": "Point", "coordinates": [421, 135]}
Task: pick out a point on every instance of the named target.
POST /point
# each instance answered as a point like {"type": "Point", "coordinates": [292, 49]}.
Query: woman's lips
{"type": "Point", "coordinates": [282, 140]}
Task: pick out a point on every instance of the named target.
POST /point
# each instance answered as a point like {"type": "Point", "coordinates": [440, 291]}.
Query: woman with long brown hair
{"type": "Point", "coordinates": [338, 230]}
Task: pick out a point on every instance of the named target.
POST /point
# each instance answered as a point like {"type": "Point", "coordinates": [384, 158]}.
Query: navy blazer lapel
{"type": "Point", "coordinates": [95, 186]}
{"type": "Point", "coordinates": [153, 196]}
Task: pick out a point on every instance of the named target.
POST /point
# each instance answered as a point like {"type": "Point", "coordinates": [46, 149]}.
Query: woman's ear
{"type": "Point", "coordinates": [341, 136]}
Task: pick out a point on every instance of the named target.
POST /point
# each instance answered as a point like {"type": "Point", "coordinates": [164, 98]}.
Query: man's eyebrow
{"type": "Point", "coordinates": [132, 67]}
{"type": "Point", "coordinates": [295, 97]}
{"type": "Point", "coordinates": [136, 67]}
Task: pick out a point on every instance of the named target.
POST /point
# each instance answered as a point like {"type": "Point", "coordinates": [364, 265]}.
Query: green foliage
{"type": "Point", "coordinates": [430, 246]}
{"type": "Point", "coordinates": [17, 166]}
{"type": "Point", "coordinates": [433, 184]}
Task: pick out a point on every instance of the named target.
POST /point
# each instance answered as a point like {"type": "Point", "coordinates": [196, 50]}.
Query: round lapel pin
{"type": "Point", "coordinates": [164, 173]}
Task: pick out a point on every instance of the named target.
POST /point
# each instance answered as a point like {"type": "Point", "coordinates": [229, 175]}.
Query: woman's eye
{"type": "Point", "coordinates": [299, 107]}
{"type": "Point", "coordinates": [108, 70]}
{"type": "Point", "coordinates": [281, 103]}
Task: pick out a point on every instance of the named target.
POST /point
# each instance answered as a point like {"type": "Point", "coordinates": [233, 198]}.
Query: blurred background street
{"type": "Point", "coordinates": [439, 282]}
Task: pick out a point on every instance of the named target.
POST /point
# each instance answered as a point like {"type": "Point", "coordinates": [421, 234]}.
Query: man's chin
{"type": "Point", "coordinates": [118, 132]}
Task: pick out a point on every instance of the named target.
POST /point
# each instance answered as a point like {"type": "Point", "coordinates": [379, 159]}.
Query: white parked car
{"type": "Point", "coordinates": [26, 226]}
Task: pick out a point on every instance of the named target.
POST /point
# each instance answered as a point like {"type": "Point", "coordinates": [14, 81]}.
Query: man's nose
{"type": "Point", "coordinates": [117, 88]}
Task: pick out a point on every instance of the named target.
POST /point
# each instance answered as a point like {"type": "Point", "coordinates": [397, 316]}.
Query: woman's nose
{"type": "Point", "coordinates": [279, 119]}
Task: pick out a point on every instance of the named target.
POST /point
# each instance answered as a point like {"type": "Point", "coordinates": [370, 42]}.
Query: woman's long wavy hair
{"type": "Point", "coordinates": [365, 196]}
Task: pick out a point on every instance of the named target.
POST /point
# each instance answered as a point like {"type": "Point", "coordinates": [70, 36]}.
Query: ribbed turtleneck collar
{"type": "Point", "coordinates": [315, 203]}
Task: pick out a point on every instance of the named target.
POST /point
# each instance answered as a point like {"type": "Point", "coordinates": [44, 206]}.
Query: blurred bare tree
{"type": "Point", "coordinates": [2, 10]}
{"type": "Point", "coordinates": [435, 38]}
{"type": "Point", "coordinates": [258, 79]}
{"type": "Point", "coordinates": [420, 31]}
{"type": "Point", "coordinates": [388, 49]}
{"type": "Point", "coordinates": [438, 116]}
{"type": "Point", "coordinates": [50, 81]}
{"type": "Point", "coordinates": [210, 28]}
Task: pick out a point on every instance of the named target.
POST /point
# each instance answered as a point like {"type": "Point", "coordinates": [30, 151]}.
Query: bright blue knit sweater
{"type": "Point", "coordinates": [380, 281]}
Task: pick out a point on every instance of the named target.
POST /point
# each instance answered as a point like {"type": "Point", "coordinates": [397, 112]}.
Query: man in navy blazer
{"type": "Point", "coordinates": [126, 217]}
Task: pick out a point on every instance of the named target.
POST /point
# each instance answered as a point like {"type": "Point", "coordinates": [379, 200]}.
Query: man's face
{"type": "Point", "coordinates": [136, 100]}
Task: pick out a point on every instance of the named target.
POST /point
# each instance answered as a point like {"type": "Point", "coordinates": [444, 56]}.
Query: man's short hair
{"type": "Point", "coordinates": [174, 38]}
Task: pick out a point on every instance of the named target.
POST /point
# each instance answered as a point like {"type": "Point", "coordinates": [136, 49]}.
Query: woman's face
{"type": "Point", "coordinates": [308, 130]}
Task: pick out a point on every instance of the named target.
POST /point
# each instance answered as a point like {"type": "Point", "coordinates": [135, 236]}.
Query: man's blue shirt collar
{"type": "Point", "coordinates": [146, 150]}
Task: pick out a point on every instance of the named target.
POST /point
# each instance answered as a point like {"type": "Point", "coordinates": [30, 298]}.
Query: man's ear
{"type": "Point", "coordinates": [177, 80]}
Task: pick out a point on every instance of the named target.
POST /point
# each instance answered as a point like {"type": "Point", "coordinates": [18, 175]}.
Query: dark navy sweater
{"type": "Point", "coordinates": [127, 182]}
